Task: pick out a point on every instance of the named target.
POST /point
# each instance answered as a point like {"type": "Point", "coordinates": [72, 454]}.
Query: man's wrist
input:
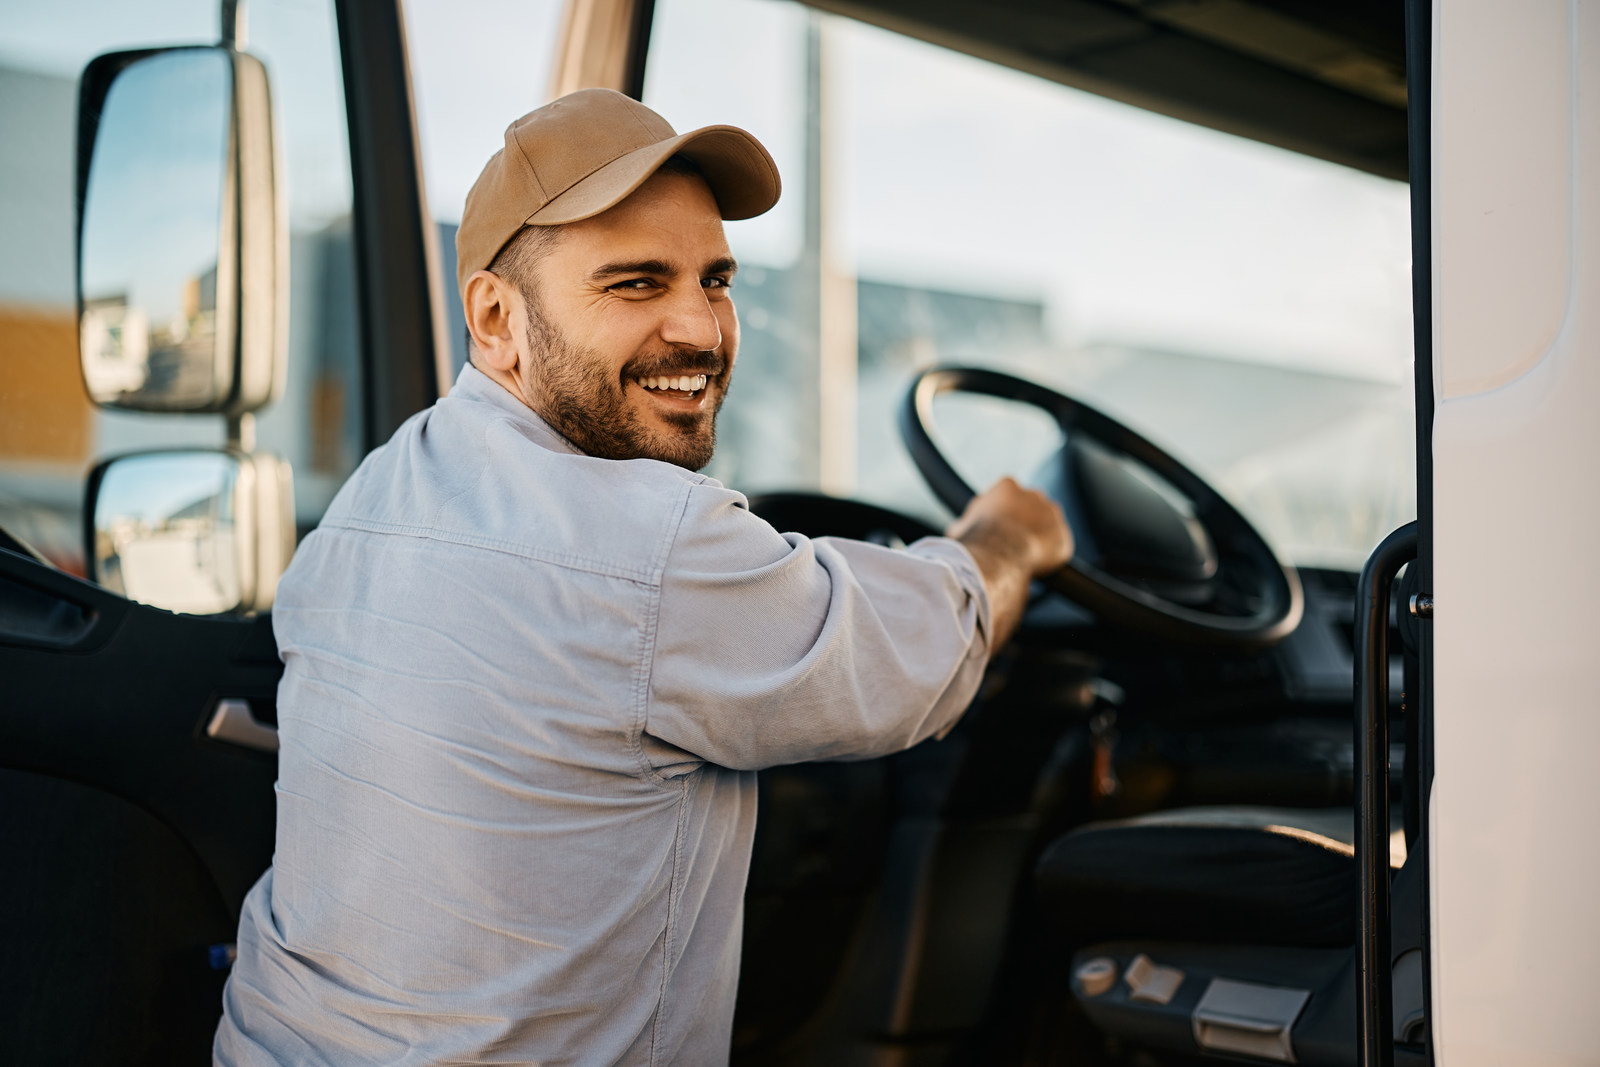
{"type": "Point", "coordinates": [1003, 542]}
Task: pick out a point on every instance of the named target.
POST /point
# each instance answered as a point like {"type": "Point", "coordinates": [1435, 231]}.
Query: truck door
{"type": "Point", "coordinates": [136, 743]}
{"type": "Point", "coordinates": [1515, 438]}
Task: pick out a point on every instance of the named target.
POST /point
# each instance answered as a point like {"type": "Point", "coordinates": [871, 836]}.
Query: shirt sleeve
{"type": "Point", "coordinates": [776, 648]}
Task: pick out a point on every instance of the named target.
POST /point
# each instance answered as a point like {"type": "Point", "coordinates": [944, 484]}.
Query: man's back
{"type": "Point", "coordinates": [508, 828]}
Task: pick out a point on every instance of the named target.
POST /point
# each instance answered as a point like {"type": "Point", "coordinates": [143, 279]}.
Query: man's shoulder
{"type": "Point", "coordinates": [477, 475]}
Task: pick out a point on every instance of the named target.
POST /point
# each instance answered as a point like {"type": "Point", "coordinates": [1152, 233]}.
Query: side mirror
{"type": "Point", "coordinates": [200, 532]}
{"type": "Point", "coordinates": [181, 247]}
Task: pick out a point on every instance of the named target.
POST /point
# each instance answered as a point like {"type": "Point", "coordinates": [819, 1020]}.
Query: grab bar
{"type": "Point", "coordinates": [1374, 984]}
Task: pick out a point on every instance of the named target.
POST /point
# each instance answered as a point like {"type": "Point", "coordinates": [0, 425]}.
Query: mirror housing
{"type": "Point", "coordinates": [198, 531]}
{"type": "Point", "coordinates": [182, 253]}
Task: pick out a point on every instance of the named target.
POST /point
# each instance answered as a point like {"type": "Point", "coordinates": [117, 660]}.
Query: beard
{"type": "Point", "coordinates": [575, 391]}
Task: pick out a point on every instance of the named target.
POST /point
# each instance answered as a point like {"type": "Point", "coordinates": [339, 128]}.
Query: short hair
{"type": "Point", "coordinates": [516, 261]}
{"type": "Point", "coordinates": [521, 255]}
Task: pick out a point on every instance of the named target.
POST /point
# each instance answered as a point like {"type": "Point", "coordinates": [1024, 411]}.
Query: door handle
{"type": "Point", "coordinates": [234, 723]}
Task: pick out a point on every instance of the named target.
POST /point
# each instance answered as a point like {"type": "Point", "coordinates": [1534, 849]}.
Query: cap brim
{"type": "Point", "coordinates": [741, 174]}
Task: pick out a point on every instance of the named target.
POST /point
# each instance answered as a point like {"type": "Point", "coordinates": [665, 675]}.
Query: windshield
{"type": "Point", "coordinates": [1243, 306]}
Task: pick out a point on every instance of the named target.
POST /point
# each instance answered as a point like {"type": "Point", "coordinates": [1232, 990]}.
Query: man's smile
{"type": "Point", "coordinates": [677, 393]}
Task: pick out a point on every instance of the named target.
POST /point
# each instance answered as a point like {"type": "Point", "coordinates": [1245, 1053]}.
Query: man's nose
{"type": "Point", "coordinates": [691, 322]}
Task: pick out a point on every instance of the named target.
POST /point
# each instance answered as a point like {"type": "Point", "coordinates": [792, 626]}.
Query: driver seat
{"type": "Point", "coordinates": [1228, 931]}
{"type": "Point", "coordinates": [1233, 874]}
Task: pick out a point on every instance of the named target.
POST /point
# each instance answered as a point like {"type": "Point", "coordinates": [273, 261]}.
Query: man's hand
{"type": "Point", "coordinates": [1014, 535]}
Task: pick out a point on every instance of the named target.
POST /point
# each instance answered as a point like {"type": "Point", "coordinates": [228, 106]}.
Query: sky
{"type": "Point", "coordinates": [153, 487]}
{"type": "Point", "coordinates": [154, 205]}
{"type": "Point", "coordinates": [475, 66]}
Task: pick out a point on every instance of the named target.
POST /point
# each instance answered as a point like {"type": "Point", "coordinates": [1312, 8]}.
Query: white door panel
{"type": "Point", "coordinates": [1515, 853]}
{"type": "Point", "coordinates": [1501, 187]}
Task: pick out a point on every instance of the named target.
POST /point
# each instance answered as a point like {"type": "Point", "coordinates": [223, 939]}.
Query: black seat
{"type": "Point", "coordinates": [1228, 930]}
{"type": "Point", "coordinates": [1226, 875]}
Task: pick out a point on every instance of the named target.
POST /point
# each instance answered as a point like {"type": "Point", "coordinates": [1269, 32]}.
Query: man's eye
{"type": "Point", "coordinates": [716, 283]}
{"type": "Point", "coordinates": [633, 285]}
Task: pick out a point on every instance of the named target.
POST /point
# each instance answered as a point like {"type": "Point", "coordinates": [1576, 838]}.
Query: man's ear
{"type": "Point", "coordinates": [489, 305]}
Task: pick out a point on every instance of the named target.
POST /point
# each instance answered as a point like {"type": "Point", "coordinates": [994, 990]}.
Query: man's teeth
{"type": "Point", "coordinates": [690, 383]}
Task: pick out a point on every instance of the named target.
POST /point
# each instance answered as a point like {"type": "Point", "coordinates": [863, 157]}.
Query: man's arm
{"type": "Point", "coordinates": [772, 648]}
{"type": "Point", "coordinates": [1015, 535]}
{"type": "Point", "coordinates": [777, 649]}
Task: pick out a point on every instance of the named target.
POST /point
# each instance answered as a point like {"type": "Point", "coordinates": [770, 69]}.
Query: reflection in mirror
{"type": "Point", "coordinates": [988, 437]}
{"type": "Point", "coordinates": [157, 230]}
{"type": "Point", "coordinates": [193, 531]}
{"type": "Point", "coordinates": [166, 531]}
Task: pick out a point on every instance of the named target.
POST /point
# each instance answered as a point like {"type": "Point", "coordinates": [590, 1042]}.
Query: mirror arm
{"type": "Point", "coordinates": [242, 432]}
{"type": "Point", "coordinates": [234, 22]}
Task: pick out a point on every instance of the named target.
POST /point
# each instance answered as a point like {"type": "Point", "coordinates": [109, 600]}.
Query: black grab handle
{"type": "Point", "coordinates": [1374, 983]}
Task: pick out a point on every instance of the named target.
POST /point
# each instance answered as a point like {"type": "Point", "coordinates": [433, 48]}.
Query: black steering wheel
{"type": "Point", "coordinates": [1157, 549]}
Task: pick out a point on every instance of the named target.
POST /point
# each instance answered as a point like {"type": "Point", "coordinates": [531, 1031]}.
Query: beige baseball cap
{"type": "Point", "coordinates": [579, 155]}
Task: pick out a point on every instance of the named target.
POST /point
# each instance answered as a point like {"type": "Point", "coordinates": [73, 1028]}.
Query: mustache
{"type": "Point", "coordinates": [711, 364]}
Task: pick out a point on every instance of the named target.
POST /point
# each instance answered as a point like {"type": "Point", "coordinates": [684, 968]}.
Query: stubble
{"type": "Point", "coordinates": [584, 400]}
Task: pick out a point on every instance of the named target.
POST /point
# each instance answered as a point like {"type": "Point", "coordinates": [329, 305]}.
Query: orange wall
{"type": "Point", "coordinates": [44, 412]}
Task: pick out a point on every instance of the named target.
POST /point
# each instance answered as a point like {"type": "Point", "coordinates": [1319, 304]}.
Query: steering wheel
{"type": "Point", "coordinates": [1156, 548]}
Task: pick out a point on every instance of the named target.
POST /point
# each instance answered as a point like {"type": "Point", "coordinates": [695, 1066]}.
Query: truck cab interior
{"type": "Point", "coordinates": [1113, 247]}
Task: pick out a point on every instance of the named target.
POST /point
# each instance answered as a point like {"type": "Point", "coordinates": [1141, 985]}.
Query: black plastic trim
{"type": "Point", "coordinates": [390, 219]}
{"type": "Point", "coordinates": [1419, 126]}
{"type": "Point", "coordinates": [71, 712]}
{"type": "Point", "coordinates": [46, 615]}
{"type": "Point", "coordinates": [644, 15]}
{"type": "Point", "coordinates": [1130, 51]}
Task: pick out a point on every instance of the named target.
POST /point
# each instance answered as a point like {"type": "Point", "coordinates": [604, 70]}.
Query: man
{"type": "Point", "coordinates": [532, 659]}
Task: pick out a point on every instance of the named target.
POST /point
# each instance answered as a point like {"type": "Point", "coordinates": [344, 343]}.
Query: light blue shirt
{"type": "Point", "coordinates": [525, 692]}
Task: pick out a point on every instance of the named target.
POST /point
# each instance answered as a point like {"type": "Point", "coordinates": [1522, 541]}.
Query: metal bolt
{"type": "Point", "coordinates": [1422, 605]}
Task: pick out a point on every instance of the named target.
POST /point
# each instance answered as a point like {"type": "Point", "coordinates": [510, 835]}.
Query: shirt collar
{"type": "Point", "coordinates": [475, 386]}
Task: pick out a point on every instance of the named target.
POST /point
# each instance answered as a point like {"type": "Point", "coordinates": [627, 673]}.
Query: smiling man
{"type": "Point", "coordinates": [628, 339]}
{"type": "Point", "coordinates": [532, 660]}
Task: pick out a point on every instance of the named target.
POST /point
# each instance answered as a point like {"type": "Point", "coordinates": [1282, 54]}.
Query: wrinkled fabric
{"type": "Point", "coordinates": [525, 693]}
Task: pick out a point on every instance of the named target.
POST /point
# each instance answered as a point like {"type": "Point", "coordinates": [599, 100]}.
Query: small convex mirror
{"type": "Point", "coordinates": [179, 245]}
{"type": "Point", "coordinates": [200, 532]}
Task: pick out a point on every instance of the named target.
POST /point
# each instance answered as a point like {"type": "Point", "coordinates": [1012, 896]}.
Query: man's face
{"type": "Point", "coordinates": [631, 331]}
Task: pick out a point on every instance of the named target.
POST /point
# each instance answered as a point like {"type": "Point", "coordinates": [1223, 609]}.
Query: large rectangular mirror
{"type": "Point", "coordinates": [180, 239]}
